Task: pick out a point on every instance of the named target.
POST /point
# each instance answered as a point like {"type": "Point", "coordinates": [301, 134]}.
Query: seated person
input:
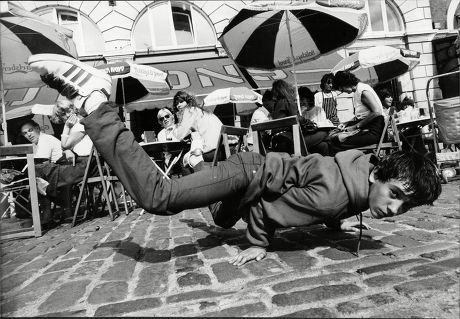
{"type": "Point", "coordinates": [203, 125]}
{"type": "Point", "coordinates": [263, 112]}
{"type": "Point", "coordinates": [168, 121]}
{"type": "Point", "coordinates": [368, 124]}
{"type": "Point", "coordinates": [314, 140]}
{"type": "Point", "coordinates": [268, 192]}
{"type": "Point", "coordinates": [78, 145]}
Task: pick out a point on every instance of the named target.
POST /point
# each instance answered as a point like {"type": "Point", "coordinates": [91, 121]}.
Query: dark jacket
{"type": "Point", "coordinates": [284, 108]}
{"type": "Point", "coordinates": [299, 191]}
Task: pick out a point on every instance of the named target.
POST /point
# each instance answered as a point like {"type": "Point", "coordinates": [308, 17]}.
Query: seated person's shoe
{"type": "Point", "coordinates": [223, 218]}
{"type": "Point", "coordinates": [70, 77]}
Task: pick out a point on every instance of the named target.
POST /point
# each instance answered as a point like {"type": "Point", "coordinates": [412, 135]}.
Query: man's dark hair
{"type": "Point", "coordinates": [31, 123]}
{"type": "Point", "coordinates": [384, 93]}
{"type": "Point", "coordinates": [326, 77]}
{"type": "Point", "coordinates": [416, 171]}
{"type": "Point", "coordinates": [344, 78]}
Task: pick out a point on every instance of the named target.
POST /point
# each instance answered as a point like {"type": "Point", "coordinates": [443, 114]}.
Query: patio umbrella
{"type": "Point", "coordinates": [242, 97]}
{"type": "Point", "coordinates": [22, 34]}
{"type": "Point", "coordinates": [281, 34]}
{"type": "Point", "coordinates": [379, 64]}
{"type": "Point", "coordinates": [133, 81]}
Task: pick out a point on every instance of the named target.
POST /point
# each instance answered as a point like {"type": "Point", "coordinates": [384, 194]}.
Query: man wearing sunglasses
{"type": "Point", "coordinates": [168, 122]}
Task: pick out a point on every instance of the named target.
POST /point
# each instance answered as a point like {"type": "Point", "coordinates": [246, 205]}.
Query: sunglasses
{"type": "Point", "coordinates": [161, 118]}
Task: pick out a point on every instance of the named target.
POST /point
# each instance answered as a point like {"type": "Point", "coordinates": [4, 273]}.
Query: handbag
{"type": "Point", "coordinates": [308, 126]}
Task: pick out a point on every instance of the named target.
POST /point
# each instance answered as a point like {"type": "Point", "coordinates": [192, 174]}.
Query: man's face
{"type": "Point", "coordinates": [328, 86]}
{"type": "Point", "coordinates": [386, 199]}
{"type": "Point", "coordinates": [30, 133]}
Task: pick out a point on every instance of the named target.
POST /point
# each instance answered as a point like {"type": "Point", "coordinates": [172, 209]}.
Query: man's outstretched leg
{"type": "Point", "coordinates": [129, 161]}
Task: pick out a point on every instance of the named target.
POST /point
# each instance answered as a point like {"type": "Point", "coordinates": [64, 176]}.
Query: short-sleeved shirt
{"type": "Point", "coordinates": [361, 110]}
{"type": "Point", "coordinates": [82, 148]}
{"type": "Point", "coordinates": [48, 147]}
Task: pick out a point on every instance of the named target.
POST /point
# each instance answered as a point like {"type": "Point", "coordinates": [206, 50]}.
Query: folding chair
{"type": "Point", "coordinates": [383, 143]}
{"type": "Point", "coordinates": [21, 152]}
{"type": "Point", "coordinates": [225, 131]}
{"type": "Point", "coordinates": [287, 122]}
{"type": "Point", "coordinates": [107, 181]}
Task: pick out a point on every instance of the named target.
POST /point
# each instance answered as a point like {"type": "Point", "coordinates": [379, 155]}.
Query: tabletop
{"type": "Point", "coordinates": [420, 121]}
{"type": "Point", "coordinates": [153, 148]}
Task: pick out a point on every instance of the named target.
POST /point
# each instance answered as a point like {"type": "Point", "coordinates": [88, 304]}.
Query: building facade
{"type": "Point", "coordinates": [181, 38]}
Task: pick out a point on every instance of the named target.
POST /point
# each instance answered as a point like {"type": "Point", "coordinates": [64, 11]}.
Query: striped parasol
{"type": "Point", "coordinates": [23, 34]}
{"type": "Point", "coordinates": [281, 34]}
{"type": "Point", "coordinates": [379, 64]}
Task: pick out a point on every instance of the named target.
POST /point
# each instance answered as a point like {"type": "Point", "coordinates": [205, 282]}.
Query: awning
{"type": "Point", "coordinates": [201, 77]}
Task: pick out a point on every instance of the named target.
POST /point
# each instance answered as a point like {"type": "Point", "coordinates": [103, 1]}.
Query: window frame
{"type": "Point", "coordinates": [193, 12]}
{"type": "Point", "coordinates": [56, 18]}
{"type": "Point", "coordinates": [385, 32]}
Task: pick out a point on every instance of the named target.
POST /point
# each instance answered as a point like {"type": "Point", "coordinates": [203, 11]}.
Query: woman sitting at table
{"type": "Point", "coordinates": [167, 120]}
{"type": "Point", "coordinates": [204, 126]}
{"type": "Point", "coordinates": [368, 123]}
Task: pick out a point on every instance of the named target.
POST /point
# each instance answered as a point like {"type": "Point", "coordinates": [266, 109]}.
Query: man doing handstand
{"type": "Point", "coordinates": [268, 192]}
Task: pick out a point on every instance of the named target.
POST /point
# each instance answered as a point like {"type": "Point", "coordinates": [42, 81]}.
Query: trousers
{"type": "Point", "coordinates": [146, 184]}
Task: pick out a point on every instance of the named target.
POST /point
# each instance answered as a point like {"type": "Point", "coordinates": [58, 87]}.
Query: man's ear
{"type": "Point", "coordinates": [372, 176]}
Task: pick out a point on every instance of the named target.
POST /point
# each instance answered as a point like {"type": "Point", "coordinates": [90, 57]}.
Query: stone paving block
{"type": "Point", "coordinates": [9, 268]}
{"type": "Point", "coordinates": [35, 265]}
{"type": "Point", "coordinates": [111, 291]}
{"type": "Point", "coordinates": [197, 294]}
{"type": "Point", "coordinates": [156, 256]}
{"type": "Point", "coordinates": [400, 313]}
{"type": "Point", "coordinates": [184, 250]}
{"type": "Point", "coordinates": [159, 244]}
{"type": "Point", "coordinates": [440, 283]}
{"type": "Point", "coordinates": [358, 263]}
{"type": "Point", "coordinates": [265, 267]}
{"type": "Point", "coordinates": [188, 263]}
{"type": "Point", "coordinates": [448, 263]}
{"type": "Point", "coordinates": [208, 241]}
{"type": "Point", "coordinates": [400, 241]}
{"type": "Point", "coordinates": [312, 313]}
{"type": "Point", "coordinates": [390, 266]}
{"type": "Point", "coordinates": [368, 302]}
{"type": "Point", "coordinates": [64, 296]}
{"type": "Point", "coordinates": [315, 294]}
{"type": "Point", "coordinates": [87, 269]}
{"type": "Point", "coordinates": [152, 280]}
{"type": "Point", "coordinates": [100, 254]}
{"type": "Point", "coordinates": [340, 277]}
{"type": "Point", "coordinates": [63, 265]}
{"type": "Point", "coordinates": [65, 314]}
{"type": "Point", "coordinates": [126, 255]}
{"type": "Point", "coordinates": [183, 240]}
{"type": "Point", "coordinates": [297, 260]}
{"type": "Point", "coordinates": [384, 280]}
{"type": "Point", "coordinates": [425, 271]}
{"type": "Point", "coordinates": [336, 254]}
{"type": "Point", "coordinates": [430, 224]}
{"type": "Point", "coordinates": [435, 255]}
{"type": "Point", "coordinates": [240, 311]}
{"type": "Point", "coordinates": [79, 251]}
{"type": "Point", "coordinates": [26, 257]}
{"type": "Point", "coordinates": [419, 235]}
{"type": "Point", "coordinates": [226, 272]}
{"type": "Point", "coordinates": [15, 280]}
{"type": "Point", "coordinates": [116, 309]}
{"type": "Point", "coordinates": [122, 270]}
{"type": "Point", "coordinates": [193, 279]}
{"type": "Point", "coordinates": [215, 252]}
{"type": "Point", "coordinates": [411, 251]}
{"type": "Point", "coordinates": [367, 247]}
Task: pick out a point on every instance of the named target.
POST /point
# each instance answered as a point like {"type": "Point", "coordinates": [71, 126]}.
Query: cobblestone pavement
{"type": "Point", "coordinates": [145, 265]}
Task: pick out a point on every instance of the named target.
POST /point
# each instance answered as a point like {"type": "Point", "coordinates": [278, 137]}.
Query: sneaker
{"type": "Point", "coordinates": [70, 77]}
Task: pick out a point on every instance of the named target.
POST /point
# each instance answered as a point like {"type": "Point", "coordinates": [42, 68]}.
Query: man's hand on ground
{"type": "Point", "coordinates": [352, 226]}
{"type": "Point", "coordinates": [253, 252]}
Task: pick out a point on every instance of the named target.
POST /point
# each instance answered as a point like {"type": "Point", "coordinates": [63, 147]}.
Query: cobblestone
{"type": "Point", "coordinates": [177, 266]}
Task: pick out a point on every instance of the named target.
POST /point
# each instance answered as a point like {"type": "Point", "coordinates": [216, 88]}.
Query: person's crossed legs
{"type": "Point", "coordinates": [129, 161]}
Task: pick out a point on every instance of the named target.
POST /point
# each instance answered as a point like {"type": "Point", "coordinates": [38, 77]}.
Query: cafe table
{"type": "Point", "coordinates": [155, 150]}
{"type": "Point", "coordinates": [416, 125]}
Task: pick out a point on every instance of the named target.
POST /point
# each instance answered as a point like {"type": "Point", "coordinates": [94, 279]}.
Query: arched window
{"type": "Point", "coordinates": [169, 25]}
{"type": "Point", "coordinates": [383, 17]}
{"type": "Point", "coordinates": [86, 34]}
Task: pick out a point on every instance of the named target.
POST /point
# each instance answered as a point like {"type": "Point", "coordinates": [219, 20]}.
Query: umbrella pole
{"type": "Point", "coordinates": [293, 64]}
{"type": "Point", "coordinates": [128, 123]}
{"type": "Point", "coordinates": [4, 125]}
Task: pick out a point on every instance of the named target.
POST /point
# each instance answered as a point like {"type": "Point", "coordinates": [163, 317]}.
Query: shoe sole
{"type": "Point", "coordinates": [90, 71]}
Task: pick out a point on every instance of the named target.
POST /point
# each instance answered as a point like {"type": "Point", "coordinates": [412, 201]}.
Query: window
{"type": "Point", "coordinates": [91, 43]}
{"type": "Point", "coordinates": [168, 25]}
{"type": "Point", "coordinates": [383, 17]}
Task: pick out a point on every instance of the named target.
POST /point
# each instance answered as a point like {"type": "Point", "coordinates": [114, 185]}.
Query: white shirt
{"type": "Point", "coordinates": [48, 147]}
{"type": "Point", "coordinates": [205, 123]}
{"type": "Point", "coordinates": [317, 115]}
{"type": "Point", "coordinates": [82, 148]}
{"type": "Point", "coordinates": [259, 115]}
{"type": "Point", "coordinates": [361, 110]}
{"type": "Point", "coordinates": [166, 135]}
